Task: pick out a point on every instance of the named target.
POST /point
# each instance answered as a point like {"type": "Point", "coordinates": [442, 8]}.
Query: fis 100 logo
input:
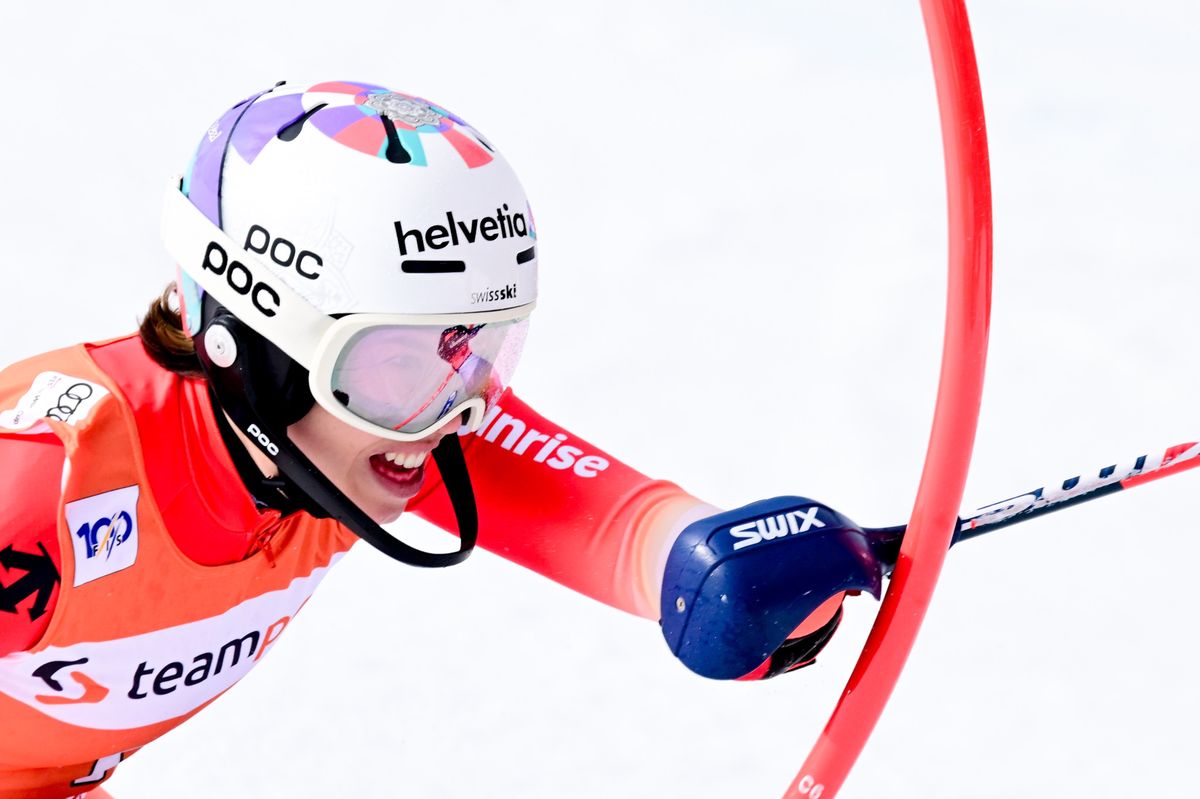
{"type": "Point", "coordinates": [104, 535]}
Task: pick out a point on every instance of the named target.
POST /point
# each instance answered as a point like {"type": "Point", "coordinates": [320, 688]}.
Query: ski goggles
{"type": "Point", "coordinates": [404, 379]}
{"type": "Point", "coordinates": [397, 376]}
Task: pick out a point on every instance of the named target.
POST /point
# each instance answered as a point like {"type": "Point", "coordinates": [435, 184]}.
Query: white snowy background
{"type": "Point", "coordinates": [742, 242]}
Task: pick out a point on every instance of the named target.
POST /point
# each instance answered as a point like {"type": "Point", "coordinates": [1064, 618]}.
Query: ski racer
{"type": "Point", "coordinates": [356, 271]}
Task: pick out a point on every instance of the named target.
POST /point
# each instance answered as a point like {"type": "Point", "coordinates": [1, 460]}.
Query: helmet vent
{"type": "Point", "coordinates": [416, 267]}
{"type": "Point", "coordinates": [395, 150]}
{"type": "Point", "coordinates": [291, 130]}
{"type": "Point", "coordinates": [525, 256]}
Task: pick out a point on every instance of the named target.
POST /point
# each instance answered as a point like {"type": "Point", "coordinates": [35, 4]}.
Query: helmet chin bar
{"type": "Point", "coordinates": [237, 388]}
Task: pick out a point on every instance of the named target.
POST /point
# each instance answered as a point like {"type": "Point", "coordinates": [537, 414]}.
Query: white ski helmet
{"type": "Point", "coordinates": [359, 248]}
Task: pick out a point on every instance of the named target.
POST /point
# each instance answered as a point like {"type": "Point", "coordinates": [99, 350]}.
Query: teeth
{"type": "Point", "coordinates": [409, 461]}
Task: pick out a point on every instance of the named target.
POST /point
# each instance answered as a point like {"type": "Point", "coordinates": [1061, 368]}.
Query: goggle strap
{"type": "Point", "coordinates": [268, 305]}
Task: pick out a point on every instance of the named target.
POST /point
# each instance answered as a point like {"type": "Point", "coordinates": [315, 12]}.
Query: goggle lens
{"type": "Point", "coordinates": [407, 378]}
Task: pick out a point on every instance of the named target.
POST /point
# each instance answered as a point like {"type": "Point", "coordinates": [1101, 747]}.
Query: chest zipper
{"type": "Point", "coordinates": [263, 533]}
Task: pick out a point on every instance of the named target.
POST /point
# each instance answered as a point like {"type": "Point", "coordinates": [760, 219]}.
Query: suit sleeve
{"type": "Point", "coordinates": [30, 475]}
{"type": "Point", "coordinates": [558, 505]}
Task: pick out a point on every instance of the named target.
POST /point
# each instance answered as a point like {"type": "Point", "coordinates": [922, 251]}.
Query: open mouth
{"type": "Point", "coordinates": [400, 472]}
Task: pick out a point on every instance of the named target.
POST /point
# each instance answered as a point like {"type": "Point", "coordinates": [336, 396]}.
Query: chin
{"type": "Point", "coordinates": [387, 516]}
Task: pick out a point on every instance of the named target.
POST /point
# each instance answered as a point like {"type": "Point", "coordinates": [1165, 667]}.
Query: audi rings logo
{"type": "Point", "coordinates": [105, 535]}
{"type": "Point", "coordinates": [54, 396]}
{"type": "Point", "coordinates": [69, 401]}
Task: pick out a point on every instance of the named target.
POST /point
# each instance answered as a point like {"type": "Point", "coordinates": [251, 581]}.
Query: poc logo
{"type": "Point", "coordinates": [241, 279]}
{"type": "Point", "coordinates": [283, 252]}
{"type": "Point", "coordinates": [772, 527]}
{"type": "Point", "coordinates": [262, 439]}
{"type": "Point", "coordinates": [104, 535]}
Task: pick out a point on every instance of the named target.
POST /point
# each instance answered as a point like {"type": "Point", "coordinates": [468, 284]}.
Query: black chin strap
{"type": "Point", "coordinates": [304, 486]}
{"type": "Point", "coordinates": [320, 498]}
{"type": "Point", "coordinates": [448, 456]}
{"type": "Point", "coordinates": [267, 492]}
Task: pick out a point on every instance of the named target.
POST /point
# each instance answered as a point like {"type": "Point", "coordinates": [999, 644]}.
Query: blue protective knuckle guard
{"type": "Point", "coordinates": [737, 583]}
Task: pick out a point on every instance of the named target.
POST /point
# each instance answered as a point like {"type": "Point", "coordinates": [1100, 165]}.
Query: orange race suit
{"type": "Point", "coordinates": [150, 581]}
{"type": "Point", "coordinates": [141, 579]}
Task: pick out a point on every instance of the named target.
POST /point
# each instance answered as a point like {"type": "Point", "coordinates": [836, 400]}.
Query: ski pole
{"type": "Point", "coordinates": [885, 541]}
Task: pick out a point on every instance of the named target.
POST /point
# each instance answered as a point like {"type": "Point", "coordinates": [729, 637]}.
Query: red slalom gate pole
{"type": "Point", "coordinates": [956, 415]}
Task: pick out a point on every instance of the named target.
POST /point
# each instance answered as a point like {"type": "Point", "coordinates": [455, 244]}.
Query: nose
{"type": "Point", "coordinates": [450, 428]}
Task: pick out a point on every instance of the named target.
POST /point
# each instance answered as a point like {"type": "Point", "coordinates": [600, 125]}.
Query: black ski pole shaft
{"type": "Point", "coordinates": [885, 541]}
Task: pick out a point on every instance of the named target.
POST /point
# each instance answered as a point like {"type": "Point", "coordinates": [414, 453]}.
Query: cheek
{"type": "Point", "coordinates": [332, 446]}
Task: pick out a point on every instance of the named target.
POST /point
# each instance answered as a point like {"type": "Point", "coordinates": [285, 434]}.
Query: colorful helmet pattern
{"type": "Point", "coordinates": [367, 201]}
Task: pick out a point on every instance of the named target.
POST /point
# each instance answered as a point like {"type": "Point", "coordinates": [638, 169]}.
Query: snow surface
{"type": "Point", "coordinates": [740, 210]}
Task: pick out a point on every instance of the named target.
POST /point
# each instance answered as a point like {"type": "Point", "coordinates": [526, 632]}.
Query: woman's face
{"type": "Point", "coordinates": [378, 475]}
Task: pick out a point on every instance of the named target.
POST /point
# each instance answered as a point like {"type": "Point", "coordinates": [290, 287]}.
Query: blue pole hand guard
{"type": "Point", "coordinates": [738, 583]}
